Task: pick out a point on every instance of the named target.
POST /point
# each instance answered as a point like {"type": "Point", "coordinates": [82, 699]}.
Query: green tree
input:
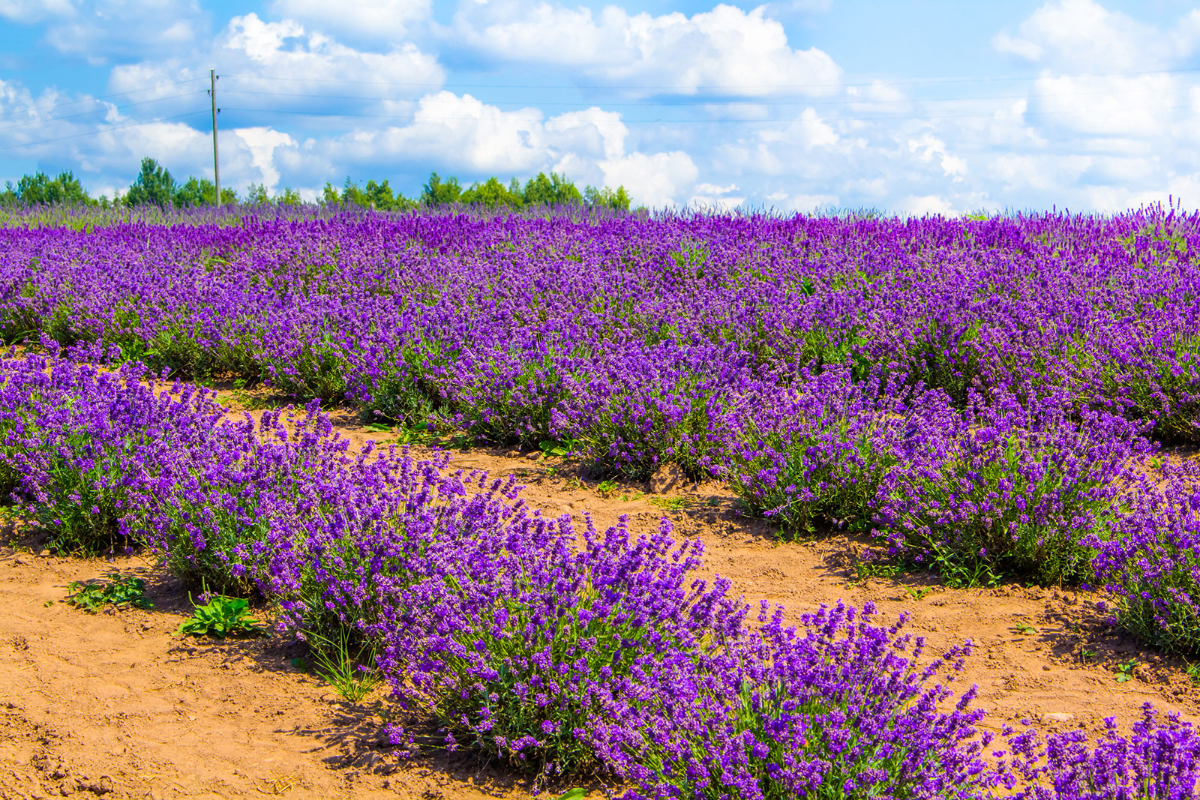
{"type": "Point", "coordinates": [354, 196]}
{"type": "Point", "coordinates": [195, 192]}
{"type": "Point", "coordinates": [555, 190]}
{"type": "Point", "coordinates": [494, 194]}
{"type": "Point", "coordinates": [607, 198]}
{"type": "Point", "coordinates": [257, 195]}
{"type": "Point", "coordinates": [153, 186]}
{"type": "Point", "coordinates": [290, 197]}
{"type": "Point", "coordinates": [41, 189]}
{"type": "Point", "coordinates": [440, 193]}
{"type": "Point", "coordinates": [330, 195]}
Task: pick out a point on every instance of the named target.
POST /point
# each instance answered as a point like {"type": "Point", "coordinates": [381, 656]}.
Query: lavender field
{"type": "Point", "coordinates": [1005, 399]}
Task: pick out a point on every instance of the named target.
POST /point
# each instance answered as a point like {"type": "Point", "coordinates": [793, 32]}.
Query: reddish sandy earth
{"type": "Point", "coordinates": [114, 705]}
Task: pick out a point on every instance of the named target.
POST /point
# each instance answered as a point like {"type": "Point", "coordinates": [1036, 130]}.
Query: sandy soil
{"type": "Point", "coordinates": [113, 705]}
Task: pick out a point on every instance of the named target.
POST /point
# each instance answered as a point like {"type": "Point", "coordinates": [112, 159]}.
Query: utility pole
{"type": "Point", "coordinates": [212, 93]}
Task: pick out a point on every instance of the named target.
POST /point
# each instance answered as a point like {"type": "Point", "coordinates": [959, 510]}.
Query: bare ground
{"type": "Point", "coordinates": [113, 705]}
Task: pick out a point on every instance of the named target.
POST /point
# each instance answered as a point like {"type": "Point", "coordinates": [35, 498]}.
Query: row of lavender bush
{"type": "Point", "coordinates": [562, 654]}
{"type": "Point", "coordinates": [987, 397]}
{"type": "Point", "coordinates": [984, 396]}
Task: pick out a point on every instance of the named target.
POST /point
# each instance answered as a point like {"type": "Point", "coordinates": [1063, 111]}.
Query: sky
{"type": "Point", "coordinates": [906, 106]}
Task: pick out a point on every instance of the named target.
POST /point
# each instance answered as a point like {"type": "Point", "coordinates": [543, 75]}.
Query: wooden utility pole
{"type": "Point", "coordinates": [212, 93]}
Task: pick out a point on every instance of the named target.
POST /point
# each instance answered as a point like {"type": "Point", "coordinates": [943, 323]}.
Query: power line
{"type": "Point", "coordinates": [716, 87]}
{"type": "Point", "coordinates": [119, 94]}
{"type": "Point", "coordinates": [103, 130]}
{"type": "Point", "coordinates": [95, 111]}
{"type": "Point", "coordinates": [852, 101]}
{"type": "Point", "coordinates": [711, 120]}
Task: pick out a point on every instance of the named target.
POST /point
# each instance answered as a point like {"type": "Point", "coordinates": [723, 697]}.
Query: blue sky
{"type": "Point", "coordinates": [910, 106]}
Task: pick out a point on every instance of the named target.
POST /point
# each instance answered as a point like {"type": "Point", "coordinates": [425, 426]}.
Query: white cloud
{"type": "Point", "coordinates": [590, 132]}
{"type": "Point", "coordinates": [1141, 105]}
{"type": "Point", "coordinates": [654, 180]}
{"type": "Point", "coordinates": [928, 147]}
{"type": "Point", "coordinates": [98, 30]}
{"type": "Point", "coordinates": [261, 142]}
{"type": "Point", "coordinates": [800, 203]}
{"type": "Point", "coordinates": [27, 11]}
{"type": "Point", "coordinates": [926, 204]}
{"type": "Point", "coordinates": [1085, 36]}
{"type": "Point", "coordinates": [726, 50]}
{"type": "Point", "coordinates": [376, 20]}
{"type": "Point", "coordinates": [272, 65]}
{"type": "Point", "coordinates": [807, 130]}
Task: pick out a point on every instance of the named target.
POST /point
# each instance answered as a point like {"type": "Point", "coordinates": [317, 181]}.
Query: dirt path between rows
{"type": "Point", "coordinates": [113, 705]}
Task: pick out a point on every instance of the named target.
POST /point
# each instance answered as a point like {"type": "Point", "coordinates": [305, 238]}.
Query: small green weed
{"type": "Point", "coordinates": [864, 570]}
{"type": "Point", "coordinates": [916, 593]}
{"type": "Point", "coordinates": [220, 617]}
{"type": "Point", "coordinates": [669, 503]}
{"type": "Point", "coordinates": [1024, 628]}
{"type": "Point", "coordinates": [1125, 670]}
{"type": "Point", "coordinates": [573, 794]}
{"type": "Point", "coordinates": [346, 668]}
{"type": "Point", "coordinates": [122, 591]}
{"type": "Point", "coordinates": [1087, 656]}
{"type": "Point", "coordinates": [1193, 673]}
{"type": "Point", "coordinates": [606, 488]}
{"type": "Point", "coordinates": [559, 449]}
{"type": "Point", "coordinates": [960, 575]}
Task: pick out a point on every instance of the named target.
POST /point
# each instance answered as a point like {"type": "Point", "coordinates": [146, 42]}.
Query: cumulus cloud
{"type": "Point", "coordinates": [261, 144]}
{"type": "Point", "coordinates": [473, 139]}
{"type": "Point", "coordinates": [372, 20]}
{"type": "Point", "coordinates": [99, 30]}
{"type": "Point", "coordinates": [1086, 36]}
{"type": "Point", "coordinates": [655, 180]}
{"type": "Point", "coordinates": [282, 65]}
{"type": "Point", "coordinates": [929, 148]}
{"type": "Point", "coordinates": [27, 11]}
{"type": "Point", "coordinates": [726, 50]}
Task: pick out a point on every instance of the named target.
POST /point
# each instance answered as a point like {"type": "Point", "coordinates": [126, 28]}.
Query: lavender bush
{"type": "Point", "coordinates": [1011, 489]}
{"type": "Point", "coordinates": [817, 453]}
{"type": "Point", "coordinates": [838, 708]}
{"type": "Point", "coordinates": [521, 644]}
{"type": "Point", "coordinates": [1158, 762]}
{"type": "Point", "coordinates": [1150, 561]}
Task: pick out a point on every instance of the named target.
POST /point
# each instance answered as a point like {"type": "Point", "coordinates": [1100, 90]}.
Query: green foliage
{"type": "Point", "coordinates": [195, 192]}
{"type": "Point", "coordinates": [617, 200]}
{"type": "Point", "coordinates": [494, 194]}
{"type": "Point", "coordinates": [555, 190]}
{"type": "Point", "coordinates": [41, 189]}
{"type": "Point", "coordinates": [378, 196]}
{"type": "Point", "coordinates": [153, 186]}
{"type": "Point", "coordinates": [345, 662]}
{"type": "Point", "coordinates": [669, 503]}
{"type": "Point", "coordinates": [1126, 669]}
{"type": "Point", "coordinates": [122, 591]}
{"type": "Point", "coordinates": [290, 197]}
{"type": "Point", "coordinates": [257, 195]}
{"type": "Point", "coordinates": [221, 616]}
{"type": "Point", "coordinates": [441, 193]}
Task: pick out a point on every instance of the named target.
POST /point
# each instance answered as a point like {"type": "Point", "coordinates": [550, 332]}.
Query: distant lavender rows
{"type": "Point", "coordinates": [986, 397]}
{"type": "Point", "coordinates": [564, 654]}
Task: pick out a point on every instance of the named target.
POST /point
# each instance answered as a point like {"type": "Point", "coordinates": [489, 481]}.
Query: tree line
{"type": "Point", "coordinates": [154, 185]}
